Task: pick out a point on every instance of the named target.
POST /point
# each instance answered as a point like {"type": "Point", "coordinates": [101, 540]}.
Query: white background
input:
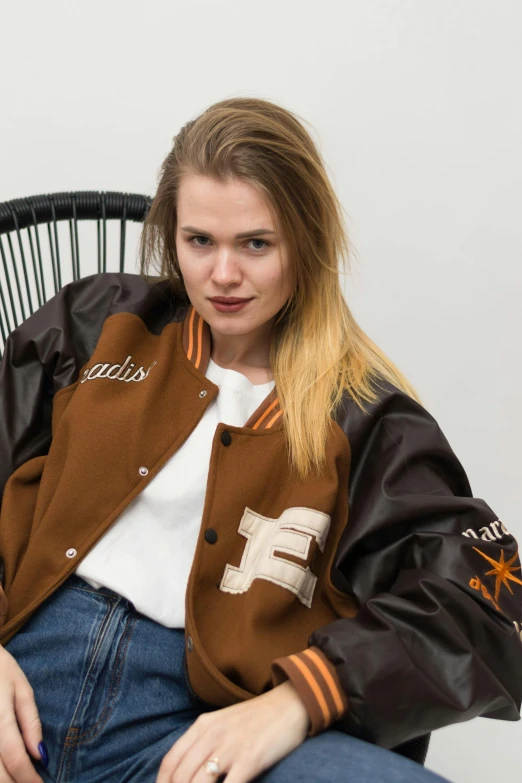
{"type": "Point", "coordinates": [416, 109]}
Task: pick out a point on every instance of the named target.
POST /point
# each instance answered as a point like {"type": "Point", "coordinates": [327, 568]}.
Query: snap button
{"type": "Point", "coordinates": [71, 553]}
{"type": "Point", "coordinates": [203, 393]}
{"type": "Point", "coordinates": [211, 536]}
{"type": "Point", "coordinates": [190, 644]}
{"type": "Point", "coordinates": [143, 471]}
{"type": "Point", "coordinates": [226, 438]}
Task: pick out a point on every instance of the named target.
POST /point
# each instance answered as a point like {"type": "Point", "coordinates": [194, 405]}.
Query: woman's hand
{"type": "Point", "coordinates": [18, 713]}
{"type": "Point", "coordinates": [247, 738]}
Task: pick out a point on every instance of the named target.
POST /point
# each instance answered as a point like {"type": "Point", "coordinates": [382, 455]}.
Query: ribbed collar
{"type": "Point", "coordinates": [197, 343]}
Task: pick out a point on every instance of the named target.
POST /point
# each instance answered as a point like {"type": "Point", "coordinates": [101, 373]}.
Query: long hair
{"type": "Point", "coordinates": [318, 350]}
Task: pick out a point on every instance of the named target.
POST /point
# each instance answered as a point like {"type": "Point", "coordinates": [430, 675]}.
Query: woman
{"type": "Point", "coordinates": [234, 541]}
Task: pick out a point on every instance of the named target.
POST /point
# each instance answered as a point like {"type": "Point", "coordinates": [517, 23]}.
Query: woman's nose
{"type": "Point", "coordinates": [225, 269]}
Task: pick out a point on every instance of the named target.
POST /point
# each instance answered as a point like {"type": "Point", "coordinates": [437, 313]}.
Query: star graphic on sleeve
{"type": "Point", "coordinates": [502, 570]}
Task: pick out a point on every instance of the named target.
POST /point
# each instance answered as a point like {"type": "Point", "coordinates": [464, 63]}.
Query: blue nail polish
{"type": "Point", "coordinates": [44, 755]}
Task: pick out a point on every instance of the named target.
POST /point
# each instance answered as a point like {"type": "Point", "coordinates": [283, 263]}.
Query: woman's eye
{"type": "Point", "coordinates": [263, 244]}
{"type": "Point", "coordinates": [196, 241]}
{"type": "Point", "coordinates": [191, 240]}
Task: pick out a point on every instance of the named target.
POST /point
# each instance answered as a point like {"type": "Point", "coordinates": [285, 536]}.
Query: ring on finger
{"type": "Point", "coordinates": [212, 766]}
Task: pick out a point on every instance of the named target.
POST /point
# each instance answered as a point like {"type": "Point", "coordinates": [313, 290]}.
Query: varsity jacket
{"type": "Point", "coordinates": [387, 593]}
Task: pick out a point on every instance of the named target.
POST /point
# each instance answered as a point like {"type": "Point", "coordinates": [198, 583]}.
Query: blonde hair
{"type": "Point", "coordinates": [318, 350]}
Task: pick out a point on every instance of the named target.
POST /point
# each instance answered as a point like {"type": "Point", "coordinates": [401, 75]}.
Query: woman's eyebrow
{"type": "Point", "coordinates": [245, 235]}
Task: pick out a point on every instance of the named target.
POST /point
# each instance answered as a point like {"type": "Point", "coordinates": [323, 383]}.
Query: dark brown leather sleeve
{"type": "Point", "coordinates": [436, 640]}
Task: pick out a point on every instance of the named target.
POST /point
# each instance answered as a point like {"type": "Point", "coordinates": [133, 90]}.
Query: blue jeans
{"type": "Point", "coordinates": [113, 697]}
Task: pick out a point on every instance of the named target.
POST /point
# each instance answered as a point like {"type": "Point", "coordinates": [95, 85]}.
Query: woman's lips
{"type": "Point", "coordinates": [230, 307]}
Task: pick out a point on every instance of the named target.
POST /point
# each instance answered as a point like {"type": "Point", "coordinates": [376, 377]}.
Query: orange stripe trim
{"type": "Point", "coordinates": [273, 419]}
{"type": "Point", "coordinates": [200, 341]}
{"type": "Point", "coordinates": [312, 684]}
{"type": "Point", "coordinates": [265, 414]}
{"type": "Point", "coordinates": [316, 658]}
{"type": "Point", "coordinates": [191, 339]}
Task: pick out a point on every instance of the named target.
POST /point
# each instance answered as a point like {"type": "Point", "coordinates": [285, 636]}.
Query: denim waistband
{"type": "Point", "coordinates": [73, 580]}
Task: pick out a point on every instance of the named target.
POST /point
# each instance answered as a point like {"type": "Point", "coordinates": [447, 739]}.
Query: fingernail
{"type": "Point", "coordinates": [44, 755]}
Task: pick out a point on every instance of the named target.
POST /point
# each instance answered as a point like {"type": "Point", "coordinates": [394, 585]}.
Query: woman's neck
{"type": "Point", "coordinates": [240, 353]}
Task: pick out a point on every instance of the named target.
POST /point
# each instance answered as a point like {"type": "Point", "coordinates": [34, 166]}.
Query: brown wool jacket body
{"type": "Point", "coordinates": [382, 588]}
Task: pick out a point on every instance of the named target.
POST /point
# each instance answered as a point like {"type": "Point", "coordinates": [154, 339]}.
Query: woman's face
{"type": "Point", "coordinates": [217, 260]}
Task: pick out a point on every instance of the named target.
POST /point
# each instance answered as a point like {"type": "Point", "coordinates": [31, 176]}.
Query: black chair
{"type": "Point", "coordinates": [34, 267]}
{"type": "Point", "coordinates": [24, 287]}
{"type": "Point", "coordinates": [415, 749]}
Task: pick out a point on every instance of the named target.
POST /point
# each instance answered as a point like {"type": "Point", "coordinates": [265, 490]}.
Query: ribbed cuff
{"type": "Point", "coordinates": [317, 683]}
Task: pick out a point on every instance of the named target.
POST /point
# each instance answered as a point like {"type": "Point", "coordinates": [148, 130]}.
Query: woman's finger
{"type": "Point", "coordinates": [192, 766]}
{"type": "Point", "coordinates": [27, 716]}
{"type": "Point", "coordinates": [5, 777]}
{"type": "Point", "coordinates": [13, 754]}
{"type": "Point", "coordinates": [181, 747]}
{"type": "Point", "coordinates": [239, 773]}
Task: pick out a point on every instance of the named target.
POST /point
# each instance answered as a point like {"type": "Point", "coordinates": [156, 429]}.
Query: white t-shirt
{"type": "Point", "coordinates": [146, 555]}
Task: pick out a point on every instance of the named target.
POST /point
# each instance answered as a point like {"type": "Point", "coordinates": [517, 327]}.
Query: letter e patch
{"type": "Point", "coordinates": [292, 533]}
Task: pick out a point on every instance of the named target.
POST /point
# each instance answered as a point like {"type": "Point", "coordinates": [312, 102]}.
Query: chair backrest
{"type": "Point", "coordinates": [35, 263]}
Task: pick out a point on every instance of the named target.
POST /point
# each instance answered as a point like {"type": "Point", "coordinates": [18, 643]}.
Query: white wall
{"type": "Point", "coordinates": [417, 111]}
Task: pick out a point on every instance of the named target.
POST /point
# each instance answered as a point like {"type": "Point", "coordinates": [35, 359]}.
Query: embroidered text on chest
{"type": "Point", "coordinates": [292, 534]}
{"type": "Point", "coordinates": [117, 372]}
